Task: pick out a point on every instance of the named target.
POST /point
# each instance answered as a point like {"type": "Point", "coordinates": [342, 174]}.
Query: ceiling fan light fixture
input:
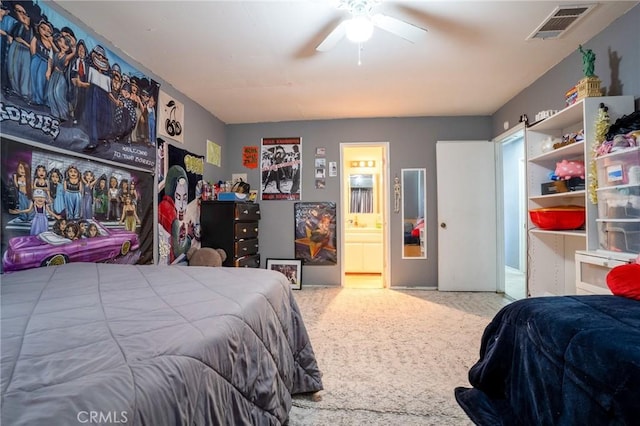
{"type": "Point", "coordinates": [359, 29]}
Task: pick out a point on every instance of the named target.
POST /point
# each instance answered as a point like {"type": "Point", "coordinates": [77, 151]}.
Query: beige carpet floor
{"type": "Point", "coordinates": [391, 357]}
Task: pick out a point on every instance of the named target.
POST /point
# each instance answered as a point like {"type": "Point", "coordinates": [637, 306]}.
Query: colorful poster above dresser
{"type": "Point", "coordinates": [73, 93]}
{"type": "Point", "coordinates": [179, 196]}
{"type": "Point", "coordinates": [59, 209]}
{"type": "Point", "coordinates": [281, 167]}
{"type": "Point", "coordinates": [315, 233]}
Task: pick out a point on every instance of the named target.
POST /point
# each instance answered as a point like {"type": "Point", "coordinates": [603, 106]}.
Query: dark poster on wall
{"type": "Point", "coordinates": [58, 209]}
{"type": "Point", "coordinates": [73, 93]}
{"type": "Point", "coordinates": [281, 164]}
{"type": "Point", "coordinates": [315, 233]}
{"type": "Point", "coordinates": [179, 196]}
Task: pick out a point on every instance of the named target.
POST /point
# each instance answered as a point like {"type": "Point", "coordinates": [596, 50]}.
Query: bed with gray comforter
{"type": "Point", "coordinates": [88, 343]}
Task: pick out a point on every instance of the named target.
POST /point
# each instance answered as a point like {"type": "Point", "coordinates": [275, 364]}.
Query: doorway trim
{"type": "Point", "coordinates": [384, 196]}
{"type": "Point", "coordinates": [516, 133]}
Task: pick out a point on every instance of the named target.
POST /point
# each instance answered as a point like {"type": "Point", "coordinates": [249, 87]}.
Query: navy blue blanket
{"type": "Point", "coordinates": [569, 360]}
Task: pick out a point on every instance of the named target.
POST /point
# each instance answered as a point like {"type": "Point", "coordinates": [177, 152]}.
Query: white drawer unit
{"type": "Point", "coordinates": [592, 268]}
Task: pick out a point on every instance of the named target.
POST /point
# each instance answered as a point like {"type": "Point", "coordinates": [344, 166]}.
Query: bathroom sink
{"type": "Point", "coordinates": [363, 229]}
{"type": "Point", "coordinates": [363, 235]}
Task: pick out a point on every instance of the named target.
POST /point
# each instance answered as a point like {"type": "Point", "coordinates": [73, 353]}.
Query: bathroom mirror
{"type": "Point", "coordinates": [361, 188]}
{"type": "Point", "coordinates": [414, 207]}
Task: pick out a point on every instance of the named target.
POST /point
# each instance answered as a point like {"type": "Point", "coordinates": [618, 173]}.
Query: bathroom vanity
{"type": "Point", "coordinates": [363, 250]}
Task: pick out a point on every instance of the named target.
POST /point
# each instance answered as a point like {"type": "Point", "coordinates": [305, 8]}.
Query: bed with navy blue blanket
{"type": "Point", "coordinates": [568, 360]}
{"type": "Point", "coordinates": [89, 343]}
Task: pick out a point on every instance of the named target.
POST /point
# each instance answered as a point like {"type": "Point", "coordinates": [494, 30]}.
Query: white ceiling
{"type": "Point", "coordinates": [255, 61]}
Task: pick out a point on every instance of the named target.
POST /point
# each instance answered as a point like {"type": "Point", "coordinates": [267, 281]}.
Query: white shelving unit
{"type": "Point", "coordinates": [551, 254]}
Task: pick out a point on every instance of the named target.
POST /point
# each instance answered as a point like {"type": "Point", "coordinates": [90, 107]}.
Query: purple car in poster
{"type": "Point", "coordinates": [49, 248]}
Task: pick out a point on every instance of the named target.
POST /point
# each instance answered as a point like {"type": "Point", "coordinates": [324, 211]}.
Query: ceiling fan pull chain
{"type": "Point", "coordinates": [359, 54]}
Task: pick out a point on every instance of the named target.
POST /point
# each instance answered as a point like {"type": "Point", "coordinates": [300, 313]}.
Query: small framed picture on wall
{"type": "Point", "coordinates": [290, 268]}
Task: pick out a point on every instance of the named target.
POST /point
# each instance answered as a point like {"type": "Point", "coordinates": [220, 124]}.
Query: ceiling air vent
{"type": "Point", "coordinates": [560, 20]}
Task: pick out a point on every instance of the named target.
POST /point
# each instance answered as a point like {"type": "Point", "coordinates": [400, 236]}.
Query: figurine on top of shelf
{"type": "Point", "coordinates": [588, 61]}
{"type": "Point", "coordinates": [589, 85]}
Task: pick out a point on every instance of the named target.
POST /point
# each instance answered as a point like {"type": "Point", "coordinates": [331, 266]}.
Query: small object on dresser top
{"type": "Point", "coordinates": [232, 196]}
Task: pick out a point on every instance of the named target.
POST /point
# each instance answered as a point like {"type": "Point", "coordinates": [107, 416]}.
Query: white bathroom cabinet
{"type": "Point", "coordinates": [551, 254]}
{"type": "Point", "coordinates": [363, 249]}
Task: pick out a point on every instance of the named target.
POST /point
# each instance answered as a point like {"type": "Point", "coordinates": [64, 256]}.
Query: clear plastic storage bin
{"type": "Point", "coordinates": [619, 235]}
{"type": "Point", "coordinates": [619, 202]}
{"type": "Point", "coordinates": [619, 168]}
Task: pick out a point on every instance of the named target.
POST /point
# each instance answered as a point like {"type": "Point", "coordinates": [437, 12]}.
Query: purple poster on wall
{"type": "Point", "coordinates": [62, 88]}
{"type": "Point", "coordinates": [58, 209]}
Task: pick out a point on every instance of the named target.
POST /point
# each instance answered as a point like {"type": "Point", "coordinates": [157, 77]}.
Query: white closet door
{"type": "Point", "coordinates": [467, 242]}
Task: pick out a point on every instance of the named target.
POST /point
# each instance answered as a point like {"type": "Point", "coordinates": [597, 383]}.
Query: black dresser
{"type": "Point", "coordinates": [233, 227]}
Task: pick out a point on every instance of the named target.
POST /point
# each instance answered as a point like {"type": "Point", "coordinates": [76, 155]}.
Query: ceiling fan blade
{"type": "Point", "coordinates": [398, 27]}
{"type": "Point", "coordinates": [333, 38]}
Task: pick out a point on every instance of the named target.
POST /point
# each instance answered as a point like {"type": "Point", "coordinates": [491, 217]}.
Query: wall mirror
{"type": "Point", "coordinates": [361, 187]}
{"type": "Point", "coordinates": [414, 207]}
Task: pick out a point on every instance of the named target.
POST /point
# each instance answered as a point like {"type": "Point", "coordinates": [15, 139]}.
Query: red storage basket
{"type": "Point", "coordinates": [558, 218]}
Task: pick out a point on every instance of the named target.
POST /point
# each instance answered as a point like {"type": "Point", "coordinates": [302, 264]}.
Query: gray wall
{"type": "Point", "coordinates": [412, 143]}
{"type": "Point", "coordinates": [617, 50]}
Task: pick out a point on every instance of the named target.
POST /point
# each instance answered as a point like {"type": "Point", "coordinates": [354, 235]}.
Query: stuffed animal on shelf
{"type": "Point", "coordinates": [206, 256]}
{"type": "Point", "coordinates": [568, 169]}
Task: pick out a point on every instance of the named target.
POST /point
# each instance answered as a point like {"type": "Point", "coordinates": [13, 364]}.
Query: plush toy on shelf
{"type": "Point", "coordinates": [570, 169]}
{"type": "Point", "coordinates": [206, 256]}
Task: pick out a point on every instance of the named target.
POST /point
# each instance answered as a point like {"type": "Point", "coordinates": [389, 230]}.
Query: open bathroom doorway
{"type": "Point", "coordinates": [365, 214]}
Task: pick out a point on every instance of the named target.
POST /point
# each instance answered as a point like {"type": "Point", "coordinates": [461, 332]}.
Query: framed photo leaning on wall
{"type": "Point", "coordinates": [290, 268]}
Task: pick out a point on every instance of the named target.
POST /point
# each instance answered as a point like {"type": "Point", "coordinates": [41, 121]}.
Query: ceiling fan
{"type": "Point", "coordinates": [360, 26]}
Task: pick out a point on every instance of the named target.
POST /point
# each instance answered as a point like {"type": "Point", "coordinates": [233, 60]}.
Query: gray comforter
{"type": "Point", "coordinates": [89, 343]}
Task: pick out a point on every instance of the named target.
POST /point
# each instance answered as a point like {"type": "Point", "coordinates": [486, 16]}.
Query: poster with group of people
{"type": "Point", "coordinates": [67, 105]}
{"type": "Point", "coordinates": [281, 164]}
{"type": "Point", "coordinates": [58, 209]}
{"type": "Point", "coordinates": [63, 88]}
